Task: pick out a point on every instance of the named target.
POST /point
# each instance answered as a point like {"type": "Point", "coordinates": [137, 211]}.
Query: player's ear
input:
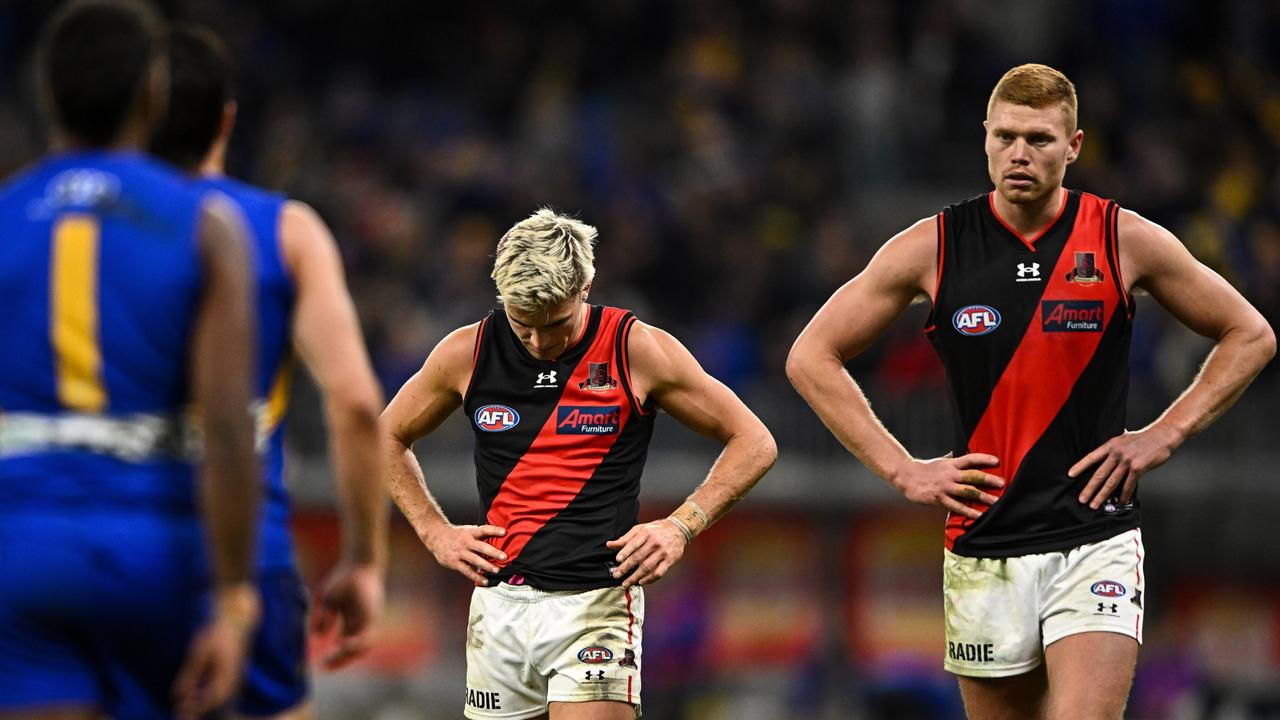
{"type": "Point", "coordinates": [1073, 148]}
{"type": "Point", "coordinates": [586, 290]}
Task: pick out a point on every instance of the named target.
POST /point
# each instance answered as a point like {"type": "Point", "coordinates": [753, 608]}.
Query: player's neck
{"type": "Point", "coordinates": [215, 161]}
{"type": "Point", "coordinates": [1032, 217]}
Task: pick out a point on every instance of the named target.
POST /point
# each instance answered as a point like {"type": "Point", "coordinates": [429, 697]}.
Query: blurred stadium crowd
{"type": "Point", "coordinates": [742, 160]}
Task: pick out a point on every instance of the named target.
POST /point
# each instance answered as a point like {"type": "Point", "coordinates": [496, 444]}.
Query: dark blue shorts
{"type": "Point", "coordinates": [276, 678]}
{"type": "Point", "coordinates": [97, 609]}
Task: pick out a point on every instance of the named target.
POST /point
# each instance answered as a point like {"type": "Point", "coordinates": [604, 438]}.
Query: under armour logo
{"type": "Point", "coordinates": [1029, 272]}
{"type": "Point", "coordinates": [1113, 608]}
{"type": "Point", "coordinates": [598, 673]}
{"type": "Point", "coordinates": [546, 379]}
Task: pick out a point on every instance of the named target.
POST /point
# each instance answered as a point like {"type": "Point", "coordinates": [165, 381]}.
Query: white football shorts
{"type": "Point", "coordinates": [527, 647]}
{"type": "Point", "coordinates": [1001, 613]}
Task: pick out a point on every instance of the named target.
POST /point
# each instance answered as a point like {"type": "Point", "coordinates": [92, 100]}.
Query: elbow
{"type": "Point", "coordinates": [768, 449]}
{"type": "Point", "coordinates": [1259, 337]}
{"type": "Point", "coordinates": [1267, 342]}
{"type": "Point", "coordinates": [359, 412]}
{"type": "Point", "coordinates": [797, 366]}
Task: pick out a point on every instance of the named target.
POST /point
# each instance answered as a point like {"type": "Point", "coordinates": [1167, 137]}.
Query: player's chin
{"type": "Point", "coordinates": [1021, 194]}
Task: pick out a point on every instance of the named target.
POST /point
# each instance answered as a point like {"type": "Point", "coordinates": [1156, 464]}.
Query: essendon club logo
{"type": "Point", "coordinates": [496, 418]}
{"type": "Point", "coordinates": [588, 420]}
{"type": "Point", "coordinates": [1071, 315]}
{"type": "Point", "coordinates": [1086, 269]}
{"type": "Point", "coordinates": [976, 320]}
{"type": "Point", "coordinates": [598, 378]}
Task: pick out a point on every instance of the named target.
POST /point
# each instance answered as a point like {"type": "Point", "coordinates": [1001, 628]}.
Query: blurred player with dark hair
{"type": "Point", "coordinates": [1031, 286]}
{"type": "Point", "coordinates": [303, 306]}
{"type": "Point", "coordinates": [126, 299]}
{"type": "Point", "coordinates": [562, 396]}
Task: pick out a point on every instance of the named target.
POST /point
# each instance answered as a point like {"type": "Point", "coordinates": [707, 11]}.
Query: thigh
{"type": "Point", "coordinates": [1017, 697]}
{"type": "Point", "coordinates": [43, 663]}
{"type": "Point", "coordinates": [275, 680]}
{"type": "Point", "coordinates": [992, 615]}
{"type": "Point", "coordinates": [154, 592]}
{"type": "Point", "coordinates": [1099, 587]}
{"type": "Point", "coordinates": [1090, 675]}
{"type": "Point", "coordinates": [501, 679]}
{"type": "Point", "coordinates": [598, 710]}
{"type": "Point", "coordinates": [94, 613]}
{"type": "Point", "coordinates": [595, 657]}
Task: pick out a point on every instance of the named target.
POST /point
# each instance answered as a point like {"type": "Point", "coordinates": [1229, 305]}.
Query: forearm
{"type": "Point", "coordinates": [361, 497]}
{"type": "Point", "coordinates": [1232, 364]}
{"type": "Point", "coordinates": [841, 405]}
{"type": "Point", "coordinates": [230, 488]}
{"type": "Point", "coordinates": [744, 460]}
{"type": "Point", "coordinates": [408, 490]}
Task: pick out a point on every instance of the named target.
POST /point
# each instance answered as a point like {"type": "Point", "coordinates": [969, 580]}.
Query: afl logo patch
{"type": "Point", "coordinates": [1107, 589]}
{"type": "Point", "coordinates": [496, 418]}
{"type": "Point", "coordinates": [595, 655]}
{"type": "Point", "coordinates": [976, 319]}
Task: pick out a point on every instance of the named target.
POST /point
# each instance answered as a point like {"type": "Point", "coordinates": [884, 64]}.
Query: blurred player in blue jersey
{"type": "Point", "coordinates": [303, 305]}
{"type": "Point", "coordinates": [127, 299]}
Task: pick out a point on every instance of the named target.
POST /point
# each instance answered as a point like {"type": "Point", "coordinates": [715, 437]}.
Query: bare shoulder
{"type": "Point", "coordinates": [909, 259]}
{"type": "Point", "coordinates": [452, 357]}
{"type": "Point", "coordinates": [436, 390]}
{"type": "Point", "coordinates": [657, 360]}
{"type": "Point", "coordinates": [650, 347]}
{"type": "Point", "coordinates": [301, 218]}
{"type": "Point", "coordinates": [304, 234]}
{"type": "Point", "coordinates": [1146, 248]}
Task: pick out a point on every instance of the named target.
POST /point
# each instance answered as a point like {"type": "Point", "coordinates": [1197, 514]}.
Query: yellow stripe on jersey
{"type": "Point", "coordinates": [73, 314]}
{"type": "Point", "coordinates": [278, 399]}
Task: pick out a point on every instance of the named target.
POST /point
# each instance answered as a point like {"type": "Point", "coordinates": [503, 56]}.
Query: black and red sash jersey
{"type": "Point", "coordinates": [1034, 336]}
{"type": "Point", "coordinates": [560, 446]}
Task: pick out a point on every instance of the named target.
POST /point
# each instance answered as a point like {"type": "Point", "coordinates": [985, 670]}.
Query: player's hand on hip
{"type": "Point", "coordinates": [351, 600]}
{"type": "Point", "coordinates": [950, 482]}
{"type": "Point", "coordinates": [646, 552]}
{"type": "Point", "coordinates": [462, 548]}
{"type": "Point", "coordinates": [1119, 462]}
{"type": "Point", "coordinates": [215, 660]}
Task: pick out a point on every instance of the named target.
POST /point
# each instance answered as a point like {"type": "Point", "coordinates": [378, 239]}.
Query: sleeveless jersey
{"type": "Point", "coordinates": [275, 299]}
{"type": "Point", "coordinates": [1034, 336]}
{"type": "Point", "coordinates": [559, 449]}
{"type": "Point", "coordinates": [99, 283]}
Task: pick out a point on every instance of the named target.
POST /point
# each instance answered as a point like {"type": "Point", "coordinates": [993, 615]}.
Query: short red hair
{"type": "Point", "coordinates": [1037, 86]}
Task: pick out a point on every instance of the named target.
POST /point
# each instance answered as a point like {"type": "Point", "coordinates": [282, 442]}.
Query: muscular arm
{"type": "Point", "coordinates": [844, 327]}
{"type": "Point", "coordinates": [222, 362]}
{"type": "Point", "coordinates": [664, 371]}
{"type": "Point", "coordinates": [1153, 259]}
{"type": "Point", "coordinates": [221, 378]}
{"type": "Point", "coordinates": [426, 399]}
{"type": "Point", "coordinates": [326, 334]}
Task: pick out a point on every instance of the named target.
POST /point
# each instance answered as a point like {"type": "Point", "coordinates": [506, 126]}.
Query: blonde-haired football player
{"type": "Point", "coordinates": [562, 397]}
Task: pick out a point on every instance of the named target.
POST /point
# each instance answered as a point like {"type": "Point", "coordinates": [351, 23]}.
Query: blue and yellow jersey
{"type": "Point", "coordinates": [99, 283]}
{"type": "Point", "coordinates": [275, 298]}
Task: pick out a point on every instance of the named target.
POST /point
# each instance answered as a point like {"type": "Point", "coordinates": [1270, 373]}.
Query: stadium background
{"type": "Point", "coordinates": [742, 160]}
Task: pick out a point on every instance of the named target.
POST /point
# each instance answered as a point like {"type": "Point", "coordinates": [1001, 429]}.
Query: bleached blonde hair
{"type": "Point", "coordinates": [543, 261]}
